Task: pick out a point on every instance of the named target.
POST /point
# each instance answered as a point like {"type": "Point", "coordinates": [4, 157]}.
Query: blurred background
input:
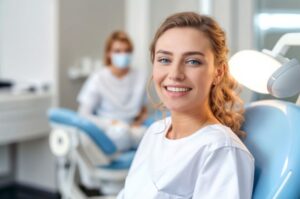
{"type": "Point", "coordinates": [48, 48]}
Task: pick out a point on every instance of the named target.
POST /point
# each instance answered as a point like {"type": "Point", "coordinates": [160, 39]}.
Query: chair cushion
{"type": "Point", "coordinates": [157, 115]}
{"type": "Point", "coordinates": [273, 137]}
{"type": "Point", "coordinates": [72, 119]}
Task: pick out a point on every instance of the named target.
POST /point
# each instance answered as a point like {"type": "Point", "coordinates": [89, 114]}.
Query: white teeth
{"type": "Point", "coordinates": [177, 89]}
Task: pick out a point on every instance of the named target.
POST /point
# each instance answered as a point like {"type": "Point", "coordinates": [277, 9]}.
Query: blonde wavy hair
{"type": "Point", "coordinates": [224, 101]}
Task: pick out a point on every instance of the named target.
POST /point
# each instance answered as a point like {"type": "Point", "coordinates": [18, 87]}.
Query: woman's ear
{"type": "Point", "coordinates": [219, 73]}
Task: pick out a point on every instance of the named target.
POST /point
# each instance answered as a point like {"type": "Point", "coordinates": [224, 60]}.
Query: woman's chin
{"type": "Point", "coordinates": [176, 107]}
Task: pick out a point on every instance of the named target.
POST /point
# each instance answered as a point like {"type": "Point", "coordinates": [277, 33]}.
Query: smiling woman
{"type": "Point", "coordinates": [195, 153]}
{"type": "Point", "coordinates": [183, 70]}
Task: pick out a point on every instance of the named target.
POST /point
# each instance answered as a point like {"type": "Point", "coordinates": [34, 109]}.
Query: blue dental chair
{"type": "Point", "coordinates": [86, 156]}
{"type": "Point", "coordinates": [273, 137]}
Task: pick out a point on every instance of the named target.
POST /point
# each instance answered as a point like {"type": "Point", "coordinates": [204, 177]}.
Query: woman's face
{"type": "Point", "coordinates": [183, 69]}
{"type": "Point", "coordinates": [120, 54]}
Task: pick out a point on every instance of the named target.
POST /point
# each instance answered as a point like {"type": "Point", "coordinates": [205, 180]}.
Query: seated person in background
{"type": "Point", "coordinates": [114, 96]}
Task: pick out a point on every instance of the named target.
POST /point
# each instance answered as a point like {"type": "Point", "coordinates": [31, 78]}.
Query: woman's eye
{"type": "Point", "coordinates": [194, 62]}
{"type": "Point", "coordinates": [164, 61]}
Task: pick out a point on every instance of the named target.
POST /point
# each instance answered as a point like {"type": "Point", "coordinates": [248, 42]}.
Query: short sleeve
{"type": "Point", "coordinates": [227, 172]}
{"type": "Point", "coordinates": [90, 94]}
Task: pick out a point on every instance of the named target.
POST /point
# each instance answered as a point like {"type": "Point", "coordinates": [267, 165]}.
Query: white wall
{"type": "Point", "coordinates": [83, 29]}
{"type": "Point", "coordinates": [160, 10]}
{"type": "Point", "coordinates": [1, 30]}
{"type": "Point", "coordinates": [28, 40]}
{"type": "Point", "coordinates": [4, 161]}
{"type": "Point", "coordinates": [35, 165]}
{"type": "Point", "coordinates": [137, 20]}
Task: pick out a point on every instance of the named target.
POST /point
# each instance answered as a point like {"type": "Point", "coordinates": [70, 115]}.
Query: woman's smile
{"type": "Point", "coordinates": [175, 91]}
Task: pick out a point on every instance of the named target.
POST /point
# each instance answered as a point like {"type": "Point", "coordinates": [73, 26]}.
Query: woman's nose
{"type": "Point", "coordinates": [176, 73]}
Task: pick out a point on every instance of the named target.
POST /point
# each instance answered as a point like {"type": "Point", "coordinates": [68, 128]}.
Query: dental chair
{"type": "Point", "coordinates": [272, 127]}
{"type": "Point", "coordinates": [86, 156]}
{"type": "Point", "coordinates": [273, 137]}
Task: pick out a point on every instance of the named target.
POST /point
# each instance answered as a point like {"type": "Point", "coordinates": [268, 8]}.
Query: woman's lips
{"type": "Point", "coordinates": [177, 91]}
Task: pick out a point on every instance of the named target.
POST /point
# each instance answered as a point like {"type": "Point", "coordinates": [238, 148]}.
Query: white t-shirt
{"type": "Point", "coordinates": [115, 98]}
{"type": "Point", "coordinates": [209, 164]}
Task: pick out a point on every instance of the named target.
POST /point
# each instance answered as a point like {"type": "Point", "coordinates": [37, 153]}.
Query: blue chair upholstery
{"type": "Point", "coordinates": [157, 115]}
{"type": "Point", "coordinates": [122, 162]}
{"type": "Point", "coordinates": [71, 118]}
{"type": "Point", "coordinates": [273, 137]}
{"type": "Point", "coordinates": [92, 157]}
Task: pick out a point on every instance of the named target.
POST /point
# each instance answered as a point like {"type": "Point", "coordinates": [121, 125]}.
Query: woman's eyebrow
{"type": "Point", "coordinates": [185, 54]}
{"type": "Point", "coordinates": [194, 53]}
{"type": "Point", "coordinates": [164, 52]}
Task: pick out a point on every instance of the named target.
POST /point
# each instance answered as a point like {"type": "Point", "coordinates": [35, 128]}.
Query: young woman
{"type": "Point", "coordinates": [114, 97]}
{"type": "Point", "coordinates": [195, 153]}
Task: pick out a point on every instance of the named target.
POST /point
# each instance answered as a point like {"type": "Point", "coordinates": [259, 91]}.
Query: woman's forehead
{"type": "Point", "coordinates": [120, 45]}
{"type": "Point", "coordinates": [181, 40]}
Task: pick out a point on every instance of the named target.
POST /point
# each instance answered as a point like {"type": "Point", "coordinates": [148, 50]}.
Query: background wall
{"type": "Point", "coordinates": [83, 28]}
{"type": "Point", "coordinates": [162, 9]}
{"type": "Point", "coordinates": [29, 41]}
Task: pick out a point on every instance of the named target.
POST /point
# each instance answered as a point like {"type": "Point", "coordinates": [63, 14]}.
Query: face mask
{"type": "Point", "coordinates": [121, 60]}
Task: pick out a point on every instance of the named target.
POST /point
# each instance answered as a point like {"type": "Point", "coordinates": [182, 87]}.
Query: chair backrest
{"type": "Point", "coordinates": [273, 137]}
{"type": "Point", "coordinates": [72, 119]}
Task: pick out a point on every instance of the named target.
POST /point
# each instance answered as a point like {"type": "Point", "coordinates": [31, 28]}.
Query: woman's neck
{"type": "Point", "coordinates": [119, 73]}
{"type": "Point", "coordinates": [187, 123]}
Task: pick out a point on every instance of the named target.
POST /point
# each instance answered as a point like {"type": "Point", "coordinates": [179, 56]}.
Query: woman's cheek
{"type": "Point", "coordinates": [157, 76]}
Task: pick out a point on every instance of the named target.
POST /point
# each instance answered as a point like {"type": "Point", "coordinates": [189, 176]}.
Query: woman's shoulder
{"type": "Point", "coordinates": [99, 74]}
{"type": "Point", "coordinates": [219, 136]}
{"type": "Point", "coordinates": [104, 70]}
{"type": "Point", "coordinates": [213, 134]}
